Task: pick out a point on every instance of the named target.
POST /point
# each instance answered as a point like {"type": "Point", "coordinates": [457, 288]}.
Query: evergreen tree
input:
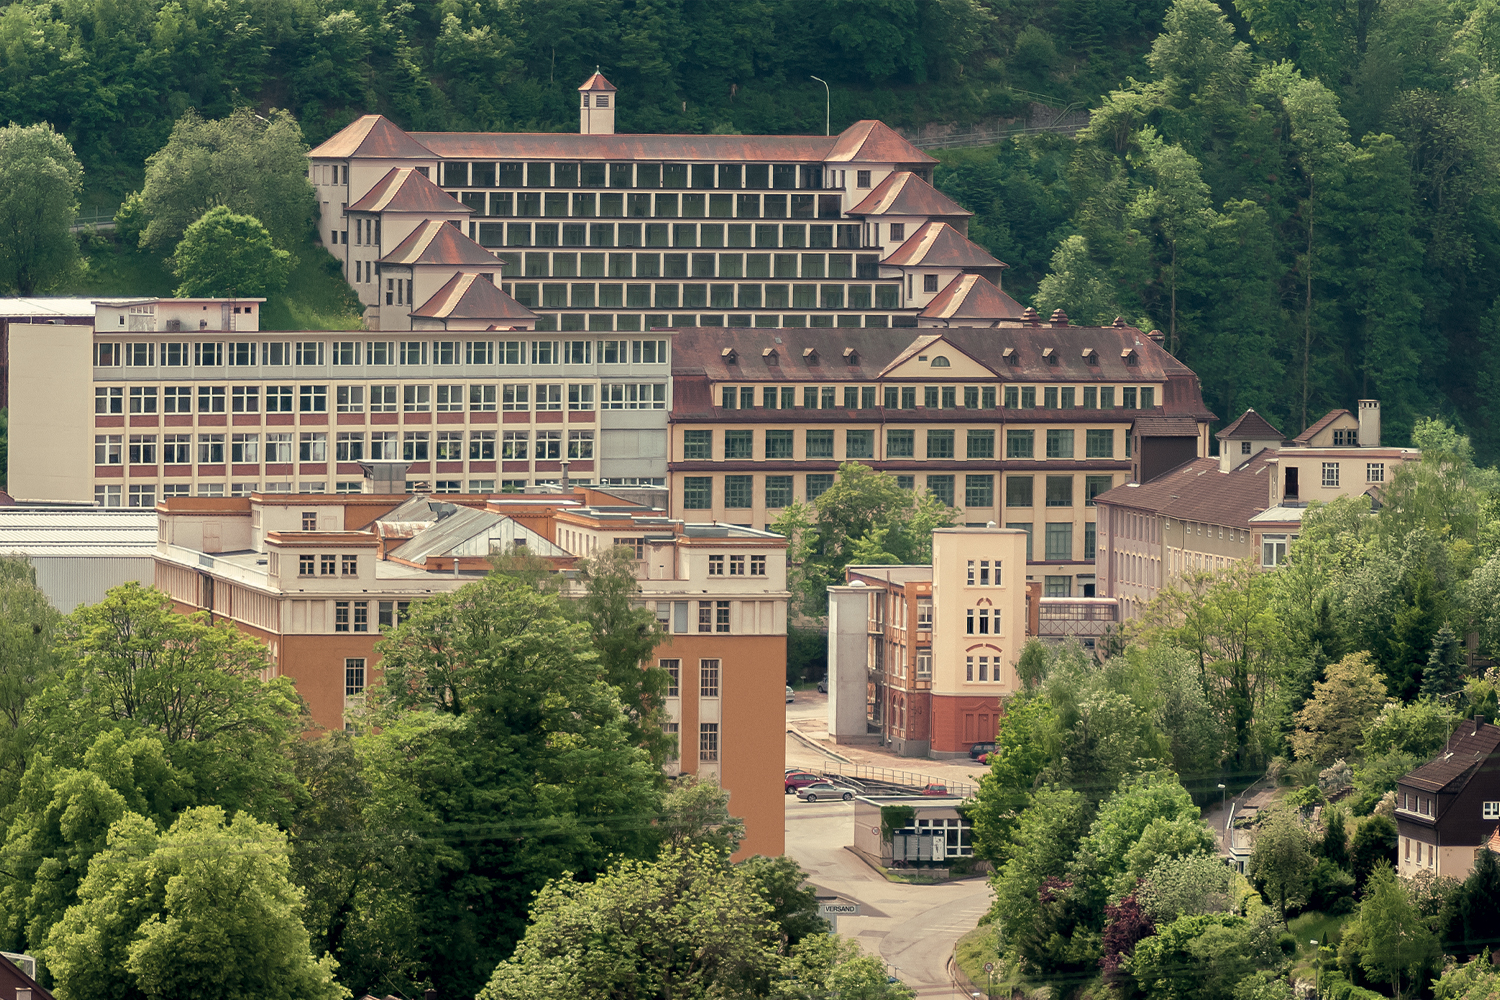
{"type": "Point", "coordinates": [1444, 673]}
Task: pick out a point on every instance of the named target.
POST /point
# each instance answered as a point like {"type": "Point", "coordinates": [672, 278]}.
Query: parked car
{"type": "Point", "coordinates": [823, 686]}
{"type": "Point", "coordinates": [980, 750]}
{"type": "Point", "coordinates": [800, 779]}
{"type": "Point", "coordinates": [934, 789]}
{"type": "Point", "coordinates": [790, 694]}
{"type": "Point", "coordinates": [823, 790]}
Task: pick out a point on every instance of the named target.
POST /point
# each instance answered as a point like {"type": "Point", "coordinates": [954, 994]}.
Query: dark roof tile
{"type": "Point", "coordinates": [904, 193]}
{"type": "Point", "coordinates": [1469, 746]}
{"type": "Point", "coordinates": [1328, 418]}
{"type": "Point", "coordinates": [872, 141]}
{"type": "Point", "coordinates": [1250, 427]}
{"type": "Point", "coordinates": [404, 189]}
{"type": "Point", "coordinates": [1198, 491]}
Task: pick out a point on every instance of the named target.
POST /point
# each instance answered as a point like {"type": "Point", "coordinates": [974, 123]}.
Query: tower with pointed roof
{"type": "Point", "coordinates": [596, 106]}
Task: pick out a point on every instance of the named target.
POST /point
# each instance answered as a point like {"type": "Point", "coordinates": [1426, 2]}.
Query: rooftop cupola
{"type": "Point", "coordinates": [596, 106]}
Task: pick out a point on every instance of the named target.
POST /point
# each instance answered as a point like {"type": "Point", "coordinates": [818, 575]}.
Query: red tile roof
{"type": "Point", "coordinates": [435, 242]}
{"type": "Point", "coordinates": [404, 189]}
{"type": "Point", "coordinates": [871, 141]}
{"type": "Point", "coordinates": [1198, 491]}
{"type": "Point", "coordinates": [701, 351]}
{"type": "Point", "coordinates": [468, 295]}
{"type": "Point", "coordinates": [372, 136]}
{"type": "Point", "coordinates": [1250, 426]}
{"type": "Point", "coordinates": [971, 297]}
{"type": "Point", "coordinates": [904, 193]}
{"type": "Point", "coordinates": [597, 82]}
{"type": "Point", "coordinates": [1328, 418]}
{"type": "Point", "coordinates": [938, 244]}
{"type": "Point", "coordinates": [1469, 746]}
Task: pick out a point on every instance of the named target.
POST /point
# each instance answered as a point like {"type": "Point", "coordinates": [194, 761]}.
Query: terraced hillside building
{"type": "Point", "coordinates": [1020, 425]}
{"type": "Point", "coordinates": [602, 232]}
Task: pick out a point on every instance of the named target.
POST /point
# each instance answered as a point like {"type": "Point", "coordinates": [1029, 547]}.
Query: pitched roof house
{"type": "Point", "coordinates": [1449, 808]}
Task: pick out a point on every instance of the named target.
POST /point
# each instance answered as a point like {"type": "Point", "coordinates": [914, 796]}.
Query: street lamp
{"type": "Point", "coordinates": [1317, 961]}
{"type": "Point", "coordinates": [827, 104]}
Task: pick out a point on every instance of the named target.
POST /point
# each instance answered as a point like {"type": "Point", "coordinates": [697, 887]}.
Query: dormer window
{"type": "Point", "coordinates": [1050, 355]}
{"type": "Point", "coordinates": [770, 356]}
{"type": "Point", "coordinates": [730, 356]}
{"type": "Point", "coordinates": [851, 356]}
{"type": "Point", "coordinates": [810, 355]}
{"type": "Point", "coordinates": [1090, 356]}
{"type": "Point", "coordinates": [1011, 357]}
{"type": "Point", "coordinates": [940, 362]}
{"type": "Point", "coordinates": [1129, 357]}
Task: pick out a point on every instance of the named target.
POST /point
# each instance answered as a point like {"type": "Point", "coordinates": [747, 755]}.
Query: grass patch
{"type": "Point", "coordinates": [316, 296]}
{"type": "Point", "coordinates": [1311, 926]}
{"type": "Point", "coordinates": [979, 946]}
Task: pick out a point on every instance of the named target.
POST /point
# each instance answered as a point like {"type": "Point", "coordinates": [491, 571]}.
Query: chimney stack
{"type": "Point", "coordinates": [1369, 423]}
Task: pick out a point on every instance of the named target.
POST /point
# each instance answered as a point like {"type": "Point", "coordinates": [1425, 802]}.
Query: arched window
{"type": "Point", "coordinates": [940, 362]}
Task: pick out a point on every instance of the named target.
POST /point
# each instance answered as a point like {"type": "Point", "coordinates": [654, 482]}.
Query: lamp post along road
{"type": "Point", "coordinates": [827, 105]}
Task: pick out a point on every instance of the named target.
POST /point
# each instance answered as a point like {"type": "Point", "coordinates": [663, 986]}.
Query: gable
{"type": "Point", "coordinates": [916, 362]}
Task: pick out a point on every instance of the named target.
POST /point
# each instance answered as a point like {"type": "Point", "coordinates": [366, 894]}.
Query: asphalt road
{"type": "Point", "coordinates": [913, 928]}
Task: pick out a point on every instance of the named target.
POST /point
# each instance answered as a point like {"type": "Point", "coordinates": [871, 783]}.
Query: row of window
{"type": "Point", "coordinates": [979, 490]}
{"type": "Point", "coordinates": [683, 235]}
{"type": "Point", "coordinates": [473, 398]}
{"type": "Point", "coordinates": [145, 494]}
{"type": "Point", "coordinates": [681, 265]}
{"type": "Point", "coordinates": [977, 668]}
{"type": "Point", "coordinates": [1374, 473]}
{"type": "Point", "coordinates": [709, 675]}
{"type": "Point", "coordinates": [939, 443]}
{"type": "Point", "coordinates": [379, 353]}
{"type": "Point", "coordinates": [587, 174]}
{"type": "Point", "coordinates": [325, 564]}
{"type": "Point", "coordinates": [938, 397]}
{"type": "Point", "coordinates": [552, 295]}
{"type": "Point", "coordinates": [736, 565]}
{"type": "Point", "coordinates": [605, 322]}
{"type": "Point", "coordinates": [589, 205]}
{"type": "Point", "coordinates": [348, 446]}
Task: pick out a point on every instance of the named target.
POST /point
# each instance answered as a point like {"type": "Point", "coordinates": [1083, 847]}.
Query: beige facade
{"type": "Point", "coordinates": [942, 643]}
{"type": "Point", "coordinates": [763, 418]}
{"type": "Point", "coordinates": [317, 578]}
{"type": "Point", "coordinates": [162, 399]}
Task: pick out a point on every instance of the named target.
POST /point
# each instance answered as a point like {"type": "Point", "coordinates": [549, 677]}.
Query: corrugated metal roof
{"type": "Point", "coordinates": [469, 532]}
{"type": "Point", "coordinates": [85, 531]}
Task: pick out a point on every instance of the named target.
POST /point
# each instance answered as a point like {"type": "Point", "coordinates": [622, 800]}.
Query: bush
{"type": "Point", "coordinates": [1330, 889]}
{"type": "Point", "coordinates": [1336, 987]}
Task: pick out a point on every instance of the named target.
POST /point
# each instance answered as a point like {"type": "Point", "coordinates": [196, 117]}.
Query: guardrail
{"type": "Point", "coordinates": [901, 779]}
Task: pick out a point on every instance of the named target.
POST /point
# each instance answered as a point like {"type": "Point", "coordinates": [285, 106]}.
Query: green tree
{"type": "Point", "coordinates": [793, 903]}
{"type": "Point", "coordinates": [625, 635]}
{"type": "Point", "coordinates": [1021, 752]}
{"type": "Point", "coordinates": [62, 820]}
{"type": "Point", "coordinates": [1194, 958]}
{"type": "Point", "coordinates": [206, 909]}
{"type": "Point", "coordinates": [1331, 724]}
{"type": "Point", "coordinates": [29, 660]}
{"type": "Point", "coordinates": [249, 164]}
{"type": "Point", "coordinates": [195, 684]}
{"type": "Point", "coordinates": [686, 925]}
{"type": "Point", "coordinates": [1391, 939]}
{"type": "Point", "coordinates": [1374, 843]}
{"type": "Point", "coordinates": [1418, 729]}
{"type": "Point", "coordinates": [1282, 860]}
{"type": "Point", "coordinates": [1045, 838]}
{"type": "Point", "coordinates": [40, 180]}
{"type": "Point", "coordinates": [1186, 885]}
{"type": "Point", "coordinates": [1077, 285]}
{"type": "Point", "coordinates": [231, 256]}
{"type": "Point", "coordinates": [503, 760]}
{"type": "Point", "coordinates": [695, 815]}
{"type": "Point", "coordinates": [826, 965]}
{"type": "Point", "coordinates": [1444, 674]}
{"type": "Point", "coordinates": [1141, 817]}
{"type": "Point", "coordinates": [1470, 921]}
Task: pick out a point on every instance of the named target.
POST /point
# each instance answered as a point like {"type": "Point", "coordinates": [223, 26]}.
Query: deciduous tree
{"type": "Point", "coordinates": [229, 256]}
{"type": "Point", "coordinates": [1331, 725]}
{"type": "Point", "coordinates": [1282, 860]}
{"type": "Point", "coordinates": [40, 180]}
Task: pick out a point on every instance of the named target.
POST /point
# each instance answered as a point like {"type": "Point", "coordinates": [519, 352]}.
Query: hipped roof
{"type": "Point", "coordinates": [904, 193]}
{"type": "Point", "coordinates": [1250, 427]}
{"type": "Point", "coordinates": [372, 136]}
{"type": "Point", "coordinates": [937, 244]}
{"type": "Point", "coordinates": [405, 189]}
{"type": "Point", "coordinates": [1198, 491]}
{"type": "Point", "coordinates": [437, 242]}
{"type": "Point", "coordinates": [468, 295]}
{"type": "Point", "coordinates": [971, 297]}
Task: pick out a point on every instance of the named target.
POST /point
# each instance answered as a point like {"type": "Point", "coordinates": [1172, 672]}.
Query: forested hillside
{"type": "Point", "coordinates": [1302, 195]}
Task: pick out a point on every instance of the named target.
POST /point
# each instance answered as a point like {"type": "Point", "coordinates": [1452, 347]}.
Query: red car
{"type": "Point", "coordinates": [934, 789]}
{"type": "Point", "coordinates": [799, 779]}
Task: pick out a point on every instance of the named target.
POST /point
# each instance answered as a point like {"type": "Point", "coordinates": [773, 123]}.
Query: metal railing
{"type": "Point", "coordinates": [901, 779]}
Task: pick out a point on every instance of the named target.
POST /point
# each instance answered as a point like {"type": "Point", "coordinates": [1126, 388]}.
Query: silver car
{"type": "Point", "coordinates": [823, 790]}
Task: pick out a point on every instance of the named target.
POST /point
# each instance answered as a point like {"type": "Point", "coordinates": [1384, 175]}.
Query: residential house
{"type": "Point", "coordinates": [1449, 808]}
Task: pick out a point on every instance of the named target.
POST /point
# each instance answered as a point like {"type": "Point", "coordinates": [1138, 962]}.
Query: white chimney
{"type": "Point", "coordinates": [1369, 423]}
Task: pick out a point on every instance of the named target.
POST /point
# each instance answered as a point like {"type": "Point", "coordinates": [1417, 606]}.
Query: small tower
{"type": "Point", "coordinates": [596, 106]}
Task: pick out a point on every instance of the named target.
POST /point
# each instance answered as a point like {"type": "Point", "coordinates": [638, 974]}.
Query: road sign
{"type": "Point", "coordinates": [989, 966]}
{"type": "Point", "coordinates": [839, 909]}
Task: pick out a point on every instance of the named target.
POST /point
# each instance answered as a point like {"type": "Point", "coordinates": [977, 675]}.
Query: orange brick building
{"type": "Point", "coordinates": [316, 577]}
